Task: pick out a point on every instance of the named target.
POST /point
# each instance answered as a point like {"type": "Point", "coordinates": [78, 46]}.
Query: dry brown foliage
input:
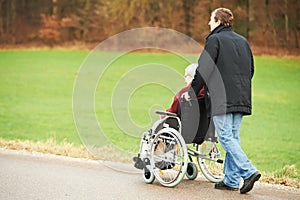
{"type": "Point", "coordinates": [50, 30]}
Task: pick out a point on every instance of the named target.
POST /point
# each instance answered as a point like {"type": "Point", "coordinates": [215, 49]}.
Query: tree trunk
{"type": "Point", "coordinates": [11, 15]}
{"type": "Point", "coordinates": [297, 26]}
{"type": "Point", "coordinates": [249, 16]}
{"type": "Point", "coordinates": [188, 7]}
{"type": "Point", "coordinates": [286, 21]}
{"type": "Point", "coordinates": [270, 17]}
{"type": "Point", "coordinates": [54, 7]}
{"type": "Point", "coordinates": [86, 20]}
{"type": "Point", "coordinates": [1, 19]}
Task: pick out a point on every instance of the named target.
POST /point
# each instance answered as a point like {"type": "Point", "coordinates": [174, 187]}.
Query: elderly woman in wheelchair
{"type": "Point", "coordinates": [183, 135]}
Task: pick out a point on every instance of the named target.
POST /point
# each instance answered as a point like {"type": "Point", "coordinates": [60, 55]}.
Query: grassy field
{"type": "Point", "coordinates": [36, 102]}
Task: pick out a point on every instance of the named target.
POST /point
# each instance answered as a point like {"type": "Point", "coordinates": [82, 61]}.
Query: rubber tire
{"type": "Point", "coordinates": [192, 171]}
{"type": "Point", "coordinates": [175, 134]}
{"type": "Point", "coordinates": [206, 172]}
{"type": "Point", "coordinates": [148, 175]}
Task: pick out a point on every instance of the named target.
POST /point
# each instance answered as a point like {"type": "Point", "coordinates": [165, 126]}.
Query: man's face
{"type": "Point", "coordinates": [212, 23]}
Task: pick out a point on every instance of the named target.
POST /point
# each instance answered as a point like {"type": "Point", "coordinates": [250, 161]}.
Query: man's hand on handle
{"type": "Point", "coordinates": [186, 96]}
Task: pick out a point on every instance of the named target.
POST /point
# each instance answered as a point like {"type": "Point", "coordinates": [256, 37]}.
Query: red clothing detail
{"type": "Point", "coordinates": [176, 102]}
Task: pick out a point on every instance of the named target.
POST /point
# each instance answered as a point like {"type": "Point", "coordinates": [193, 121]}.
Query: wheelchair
{"type": "Point", "coordinates": [169, 150]}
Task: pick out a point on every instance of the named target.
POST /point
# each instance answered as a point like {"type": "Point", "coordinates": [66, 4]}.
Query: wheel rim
{"type": "Point", "coordinates": [212, 170]}
{"type": "Point", "coordinates": [168, 157]}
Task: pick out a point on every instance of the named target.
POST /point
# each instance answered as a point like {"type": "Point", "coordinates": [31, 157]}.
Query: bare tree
{"type": "Point", "coordinates": [249, 18]}
{"type": "Point", "coordinates": [286, 22]}
{"type": "Point", "coordinates": [271, 23]}
{"type": "Point", "coordinates": [297, 24]}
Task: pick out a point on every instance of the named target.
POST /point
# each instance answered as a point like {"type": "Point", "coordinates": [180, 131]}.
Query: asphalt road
{"type": "Point", "coordinates": [38, 176]}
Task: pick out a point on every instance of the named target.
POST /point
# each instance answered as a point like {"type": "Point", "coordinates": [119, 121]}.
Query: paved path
{"type": "Point", "coordinates": [38, 176]}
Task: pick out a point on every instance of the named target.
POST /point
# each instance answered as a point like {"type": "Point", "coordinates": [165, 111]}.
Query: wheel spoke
{"type": "Point", "coordinates": [170, 163]}
{"type": "Point", "coordinates": [208, 160]}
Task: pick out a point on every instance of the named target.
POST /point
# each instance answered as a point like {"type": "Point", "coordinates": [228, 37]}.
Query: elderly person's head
{"type": "Point", "coordinates": [189, 74]}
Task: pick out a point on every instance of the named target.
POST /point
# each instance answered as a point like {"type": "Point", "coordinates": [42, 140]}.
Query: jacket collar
{"type": "Point", "coordinates": [219, 29]}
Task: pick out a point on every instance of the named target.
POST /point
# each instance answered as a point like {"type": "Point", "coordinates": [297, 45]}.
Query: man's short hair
{"type": "Point", "coordinates": [224, 15]}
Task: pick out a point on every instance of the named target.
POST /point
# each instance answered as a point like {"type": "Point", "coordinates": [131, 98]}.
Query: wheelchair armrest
{"type": "Point", "coordinates": [159, 112]}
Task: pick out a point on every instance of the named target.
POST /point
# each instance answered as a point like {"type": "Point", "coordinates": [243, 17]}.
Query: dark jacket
{"type": "Point", "coordinates": [225, 69]}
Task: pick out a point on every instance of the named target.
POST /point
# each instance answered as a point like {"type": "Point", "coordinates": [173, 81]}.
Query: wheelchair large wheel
{"type": "Point", "coordinates": [210, 161]}
{"type": "Point", "coordinates": [168, 157]}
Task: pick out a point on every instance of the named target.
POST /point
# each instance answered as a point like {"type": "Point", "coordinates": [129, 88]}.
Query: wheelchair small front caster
{"type": "Point", "coordinates": [192, 171]}
{"type": "Point", "coordinates": [148, 175]}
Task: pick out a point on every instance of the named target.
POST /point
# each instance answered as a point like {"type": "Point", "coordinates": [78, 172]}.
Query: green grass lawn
{"type": "Point", "coordinates": [36, 90]}
{"type": "Point", "coordinates": [271, 135]}
{"type": "Point", "coordinates": [36, 94]}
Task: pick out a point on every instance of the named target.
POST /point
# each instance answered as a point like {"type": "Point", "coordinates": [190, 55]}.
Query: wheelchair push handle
{"type": "Point", "coordinates": [165, 113]}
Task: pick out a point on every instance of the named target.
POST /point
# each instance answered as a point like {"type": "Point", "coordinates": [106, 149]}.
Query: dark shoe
{"type": "Point", "coordinates": [222, 186]}
{"type": "Point", "coordinates": [249, 182]}
{"type": "Point", "coordinates": [139, 164]}
{"type": "Point", "coordinates": [163, 165]}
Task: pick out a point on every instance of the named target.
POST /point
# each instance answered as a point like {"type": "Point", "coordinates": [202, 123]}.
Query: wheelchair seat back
{"type": "Point", "coordinates": [196, 126]}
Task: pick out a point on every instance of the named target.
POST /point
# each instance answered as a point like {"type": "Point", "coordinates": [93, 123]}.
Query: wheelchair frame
{"type": "Point", "coordinates": [164, 155]}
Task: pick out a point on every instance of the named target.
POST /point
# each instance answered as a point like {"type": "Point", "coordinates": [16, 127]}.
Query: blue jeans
{"type": "Point", "coordinates": [236, 165]}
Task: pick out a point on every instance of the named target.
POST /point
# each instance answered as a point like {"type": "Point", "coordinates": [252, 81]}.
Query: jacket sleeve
{"type": "Point", "coordinates": [212, 47]}
{"type": "Point", "coordinates": [252, 64]}
{"type": "Point", "coordinates": [196, 84]}
{"type": "Point", "coordinates": [174, 106]}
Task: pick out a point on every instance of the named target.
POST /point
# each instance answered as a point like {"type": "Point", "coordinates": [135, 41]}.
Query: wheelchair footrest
{"type": "Point", "coordinates": [139, 164]}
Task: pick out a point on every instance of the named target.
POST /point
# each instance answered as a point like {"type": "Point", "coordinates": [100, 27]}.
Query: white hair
{"type": "Point", "coordinates": [191, 69]}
